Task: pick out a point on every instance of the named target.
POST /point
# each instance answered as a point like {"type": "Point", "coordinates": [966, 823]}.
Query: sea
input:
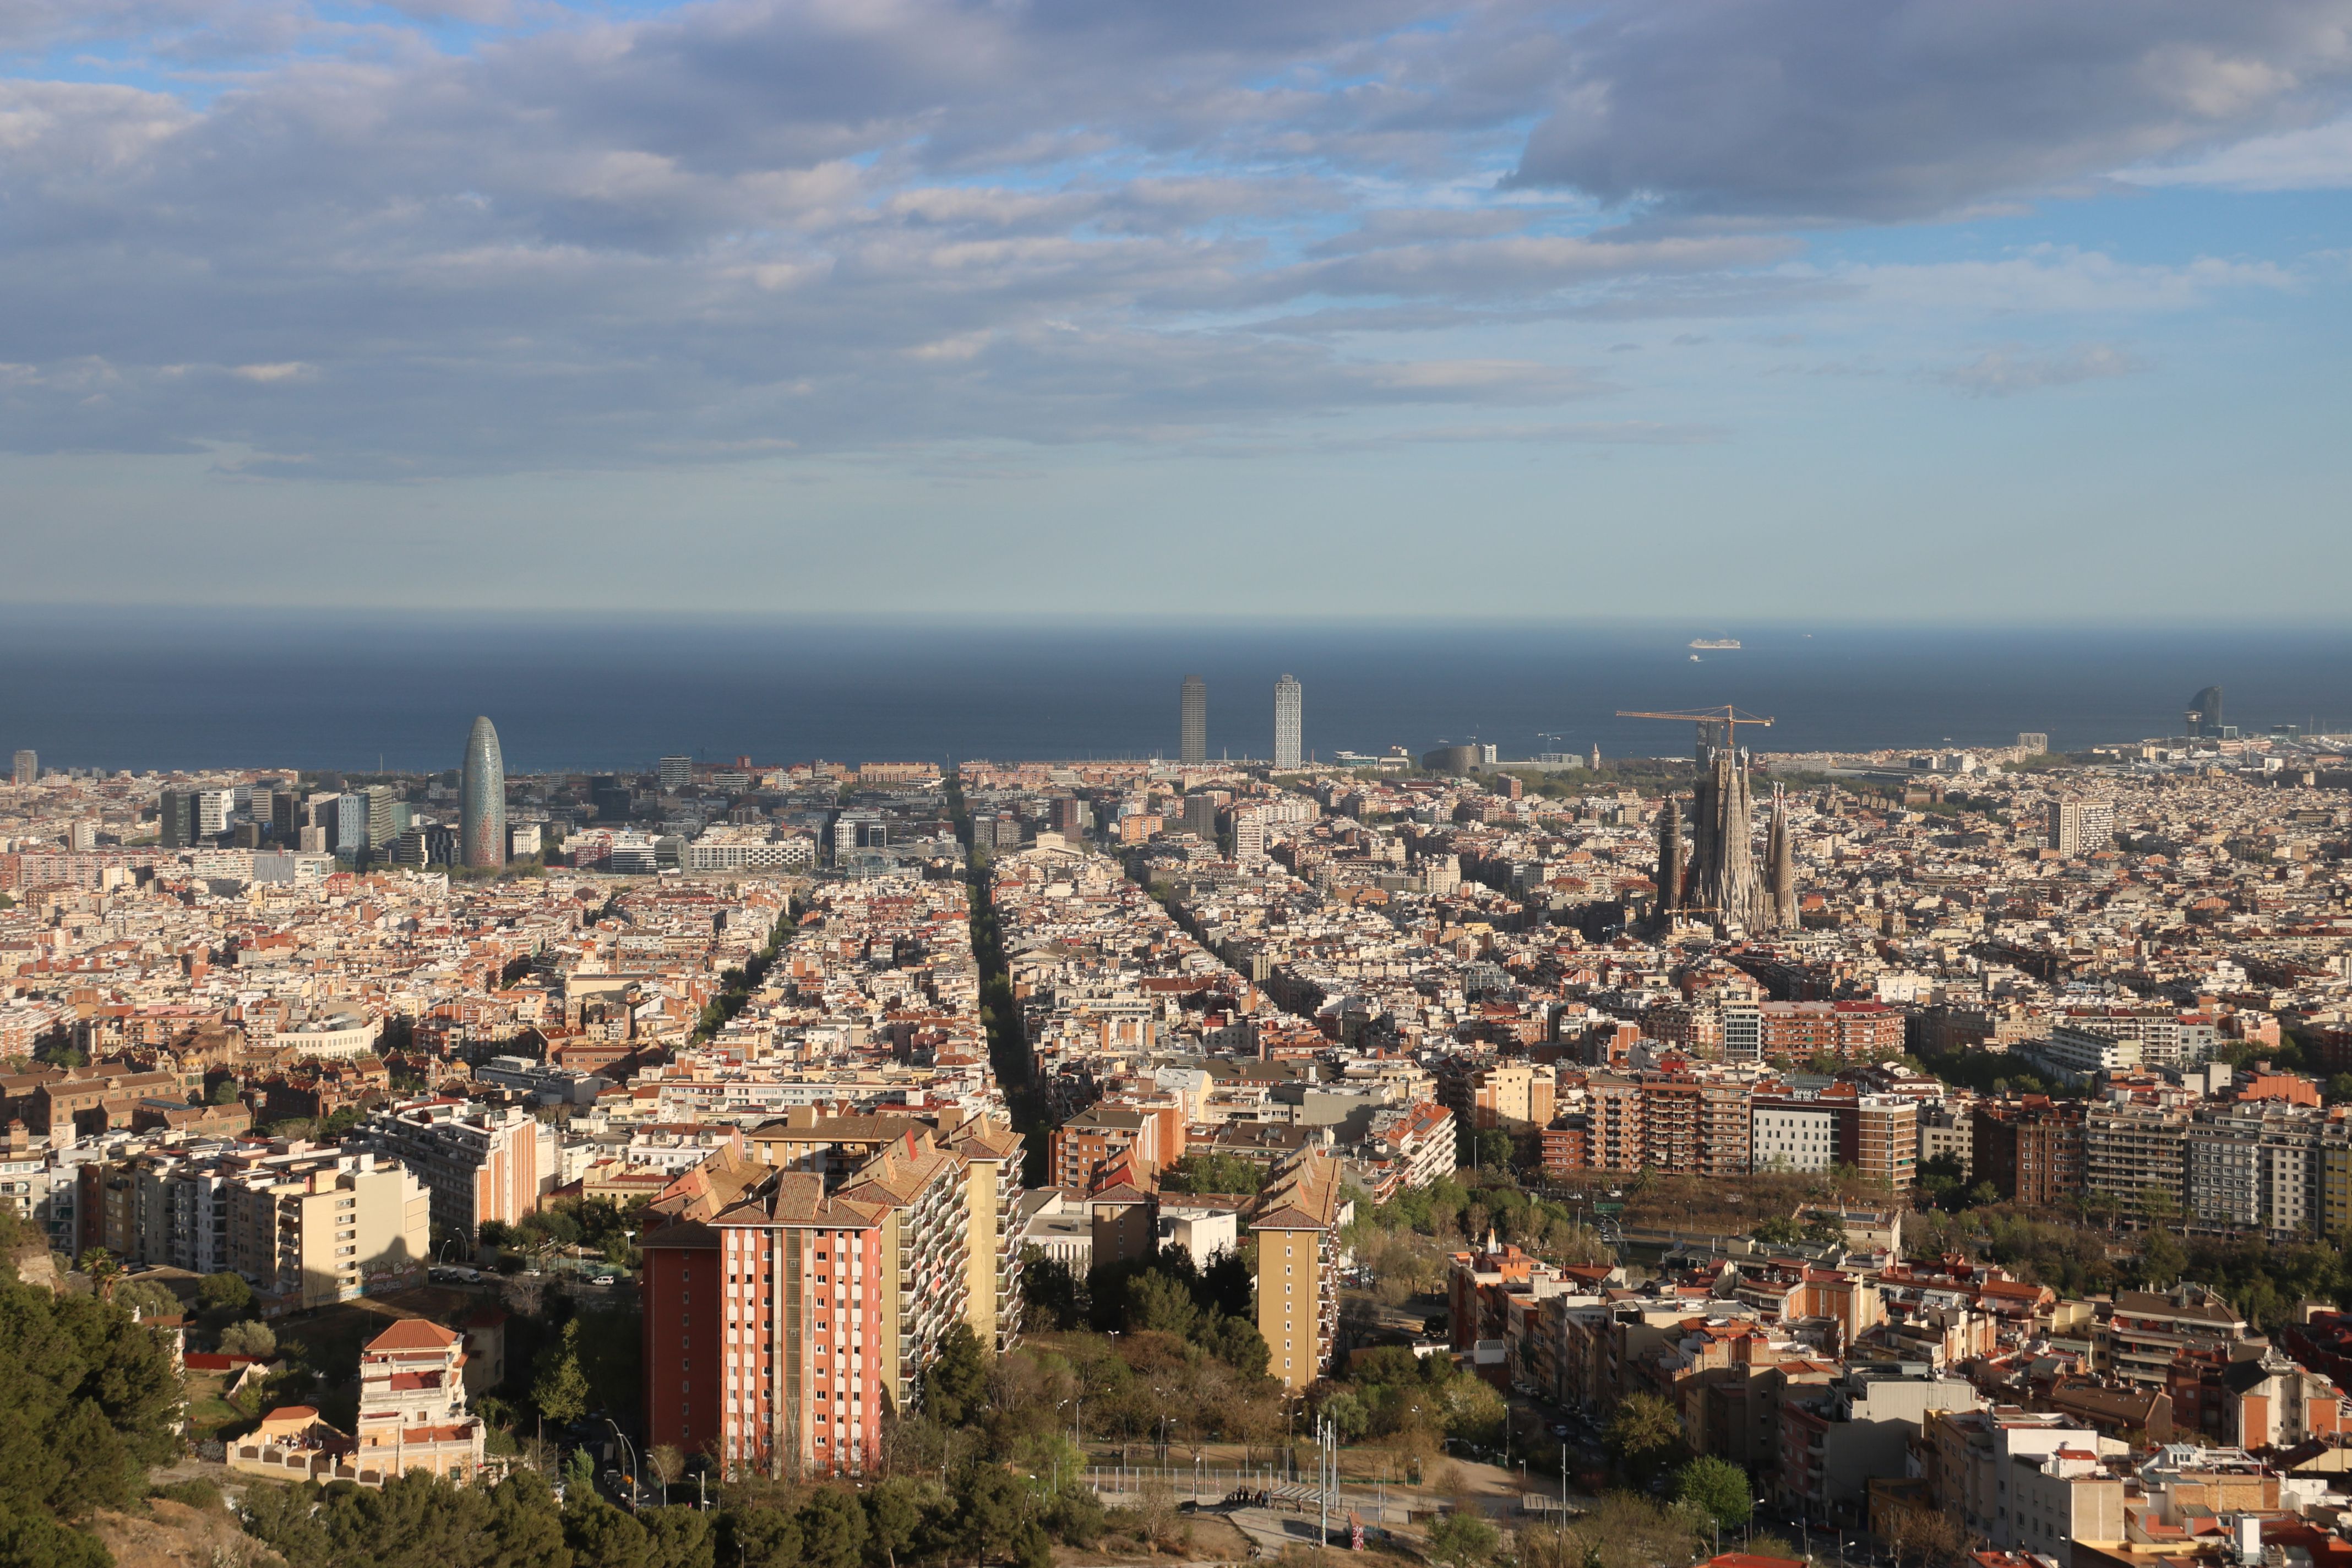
{"type": "Point", "coordinates": [138, 689]}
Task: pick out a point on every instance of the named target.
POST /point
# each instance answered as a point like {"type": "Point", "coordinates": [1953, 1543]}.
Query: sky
{"type": "Point", "coordinates": [1969, 310]}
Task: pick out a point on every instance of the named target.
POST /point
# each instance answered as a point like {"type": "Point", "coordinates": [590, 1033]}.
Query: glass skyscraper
{"type": "Point", "coordinates": [482, 799]}
{"type": "Point", "coordinates": [1193, 739]}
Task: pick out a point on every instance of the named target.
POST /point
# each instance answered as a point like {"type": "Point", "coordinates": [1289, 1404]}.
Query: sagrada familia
{"type": "Point", "coordinates": [1720, 882]}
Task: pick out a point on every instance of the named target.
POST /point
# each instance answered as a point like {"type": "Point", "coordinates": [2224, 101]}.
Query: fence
{"type": "Point", "coordinates": [1124, 1486]}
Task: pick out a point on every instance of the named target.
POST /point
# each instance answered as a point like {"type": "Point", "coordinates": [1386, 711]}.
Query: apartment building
{"type": "Point", "coordinates": [331, 1232]}
{"type": "Point", "coordinates": [767, 1331]}
{"type": "Point", "coordinates": [1297, 1221]}
{"type": "Point", "coordinates": [2081, 826]}
{"type": "Point", "coordinates": [2136, 1156]}
{"type": "Point", "coordinates": [480, 1163]}
{"type": "Point", "coordinates": [1886, 1141]}
{"type": "Point", "coordinates": [304, 1224]}
{"type": "Point", "coordinates": [1420, 1136]}
{"type": "Point", "coordinates": [925, 1236]}
{"type": "Point", "coordinates": [1092, 1143]}
{"type": "Point", "coordinates": [2147, 1331]}
{"type": "Point", "coordinates": [1970, 1461]}
{"type": "Point", "coordinates": [2030, 1149]}
{"type": "Point", "coordinates": [1795, 1131]}
{"type": "Point", "coordinates": [1849, 1031]}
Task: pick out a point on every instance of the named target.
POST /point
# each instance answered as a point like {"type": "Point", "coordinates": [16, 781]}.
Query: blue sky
{"type": "Point", "coordinates": [1970, 310]}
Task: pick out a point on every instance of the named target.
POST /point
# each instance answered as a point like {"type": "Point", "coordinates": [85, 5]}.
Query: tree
{"type": "Point", "coordinates": [833, 1529]}
{"type": "Point", "coordinates": [249, 1338]}
{"type": "Point", "coordinates": [1156, 1302]}
{"type": "Point", "coordinates": [1462, 1539]}
{"type": "Point", "coordinates": [955, 1386]}
{"type": "Point", "coordinates": [2161, 1259]}
{"type": "Point", "coordinates": [560, 1390]}
{"type": "Point", "coordinates": [146, 1298]}
{"type": "Point", "coordinates": [88, 1399]}
{"type": "Point", "coordinates": [1645, 1431]}
{"type": "Point", "coordinates": [894, 1518]}
{"type": "Point", "coordinates": [602, 1536]}
{"type": "Point", "coordinates": [667, 1464]}
{"type": "Point", "coordinates": [678, 1538]}
{"type": "Point", "coordinates": [1494, 1149]}
{"type": "Point", "coordinates": [226, 1293]}
{"type": "Point", "coordinates": [1716, 1486]}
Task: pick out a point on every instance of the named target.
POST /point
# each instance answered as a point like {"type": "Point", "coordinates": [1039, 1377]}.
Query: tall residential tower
{"type": "Point", "coordinates": [1193, 747]}
{"type": "Point", "coordinates": [482, 799]}
{"type": "Point", "coordinates": [1289, 704]}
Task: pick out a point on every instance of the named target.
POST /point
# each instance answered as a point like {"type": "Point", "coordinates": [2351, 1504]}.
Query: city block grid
{"type": "Point", "coordinates": [1945, 1153]}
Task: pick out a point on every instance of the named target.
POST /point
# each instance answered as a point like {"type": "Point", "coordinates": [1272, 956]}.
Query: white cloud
{"type": "Point", "coordinates": [2318, 158]}
{"type": "Point", "coordinates": [2006, 372]}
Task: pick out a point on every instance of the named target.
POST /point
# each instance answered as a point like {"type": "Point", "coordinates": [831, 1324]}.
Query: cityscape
{"type": "Point", "coordinates": [1888, 1133]}
{"type": "Point", "coordinates": [1012, 784]}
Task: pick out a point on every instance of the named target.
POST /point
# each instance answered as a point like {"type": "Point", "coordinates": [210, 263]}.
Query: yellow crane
{"type": "Point", "coordinates": [1726, 716]}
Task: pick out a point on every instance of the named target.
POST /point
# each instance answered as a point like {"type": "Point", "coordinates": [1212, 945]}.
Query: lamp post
{"type": "Point", "coordinates": [628, 1453]}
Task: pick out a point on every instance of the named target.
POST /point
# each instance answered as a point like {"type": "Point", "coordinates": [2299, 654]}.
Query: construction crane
{"type": "Point", "coordinates": [1726, 719]}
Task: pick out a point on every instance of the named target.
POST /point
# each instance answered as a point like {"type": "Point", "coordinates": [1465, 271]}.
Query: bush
{"type": "Point", "coordinates": [249, 1338]}
{"type": "Point", "coordinates": [195, 1491]}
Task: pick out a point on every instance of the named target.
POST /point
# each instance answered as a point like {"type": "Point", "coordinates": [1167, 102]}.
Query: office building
{"type": "Point", "coordinates": [28, 767]}
{"type": "Point", "coordinates": [482, 799]}
{"type": "Point", "coordinates": [2081, 826]}
{"type": "Point", "coordinates": [1290, 711]}
{"type": "Point", "coordinates": [214, 807]}
{"type": "Point", "coordinates": [1201, 817]}
{"type": "Point", "coordinates": [1193, 737]}
{"type": "Point", "coordinates": [2033, 743]}
{"type": "Point", "coordinates": [175, 818]}
{"type": "Point", "coordinates": [677, 772]}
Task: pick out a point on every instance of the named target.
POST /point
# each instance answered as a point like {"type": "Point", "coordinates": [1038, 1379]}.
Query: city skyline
{"type": "Point", "coordinates": [1977, 285]}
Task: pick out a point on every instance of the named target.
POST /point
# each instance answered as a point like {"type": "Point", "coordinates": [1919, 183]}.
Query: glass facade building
{"type": "Point", "coordinates": [482, 799]}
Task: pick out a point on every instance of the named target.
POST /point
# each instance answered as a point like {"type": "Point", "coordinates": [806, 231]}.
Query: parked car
{"type": "Point", "coordinates": [604, 1279]}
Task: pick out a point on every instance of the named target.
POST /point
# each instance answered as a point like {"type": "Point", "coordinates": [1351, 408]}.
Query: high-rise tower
{"type": "Point", "coordinates": [1289, 706]}
{"type": "Point", "coordinates": [482, 799]}
{"type": "Point", "coordinates": [2205, 712]}
{"type": "Point", "coordinates": [1670, 861]}
{"type": "Point", "coordinates": [1780, 864]}
{"type": "Point", "coordinates": [1193, 747]}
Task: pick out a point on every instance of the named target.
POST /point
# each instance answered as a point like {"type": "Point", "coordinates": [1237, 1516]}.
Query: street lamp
{"type": "Point", "coordinates": [629, 1454]}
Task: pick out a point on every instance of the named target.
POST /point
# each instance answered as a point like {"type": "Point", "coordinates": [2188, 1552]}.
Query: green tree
{"type": "Point", "coordinates": [1462, 1539]}
{"type": "Point", "coordinates": [248, 1338]}
{"type": "Point", "coordinates": [1645, 1432]}
{"type": "Point", "coordinates": [1156, 1302]}
{"type": "Point", "coordinates": [602, 1536]}
{"type": "Point", "coordinates": [1718, 1487]}
{"type": "Point", "coordinates": [678, 1538]}
{"type": "Point", "coordinates": [1494, 1149]}
{"type": "Point", "coordinates": [88, 1399]}
{"type": "Point", "coordinates": [894, 1518]}
{"type": "Point", "coordinates": [760, 1537]}
{"type": "Point", "coordinates": [833, 1529]}
{"type": "Point", "coordinates": [226, 1293]}
{"type": "Point", "coordinates": [561, 1389]}
{"type": "Point", "coordinates": [955, 1386]}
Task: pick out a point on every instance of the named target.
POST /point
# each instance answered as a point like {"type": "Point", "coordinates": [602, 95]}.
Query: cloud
{"type": "Point", "coordinates": [2318, 158]}
{"type": "Point", "coordinates": [750, 226]}
{"type": "Point", "coordinates": [2006, 372]}
{"type": "Point", "coordinates": [1824, 110]}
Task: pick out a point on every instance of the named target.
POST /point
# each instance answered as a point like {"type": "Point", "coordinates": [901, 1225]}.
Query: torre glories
{"type": "Point", "coordinates": [482, 799]}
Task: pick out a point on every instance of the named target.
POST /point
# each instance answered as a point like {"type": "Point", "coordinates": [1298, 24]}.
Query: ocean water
{"type": "Point", "coordinates": [115, 690]}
